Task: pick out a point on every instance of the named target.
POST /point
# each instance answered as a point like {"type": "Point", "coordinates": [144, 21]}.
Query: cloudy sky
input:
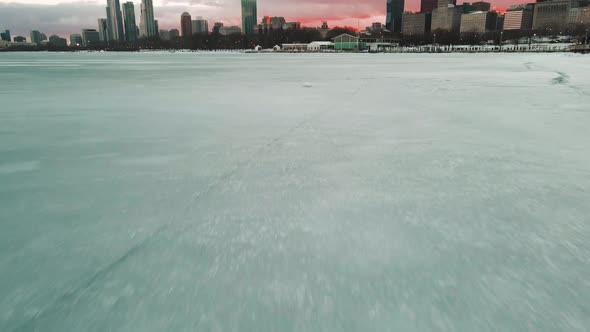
{"type": "Point", "coordinates": [63, 17]}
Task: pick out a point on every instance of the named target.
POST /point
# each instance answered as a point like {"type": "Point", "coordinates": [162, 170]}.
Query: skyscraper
{"type": "Point", "coordinates": [129, 20]}
{"type": "Point", "coordinates": [249, 16]}
{"type": "Point", "coordinates": [478, 22]}
{"type": "Point", "coordinates": [395, 10]}
{"type": "Point", "coordinates": [109, 30]}
{"type": "Point", "coordinates": [186, 25]}
{"type": "Point", "coordinates": [90, 37]}
{"type": "Point", "coordinates": [200, 26]}
{"type": "Point", "coordinates": [37, 37]}
{"type": "Point", "coordinates": [103, 29]}
{"type": "Point", "coordinates": [446, 16]}
{"type": "Point", "coordinates": [416, 24]}
{"type": "Point", "coordinates": [5, 36]}
{"type": "Point", "coordinates": [115, 20]}
{"type": "Point", "coordinates": [519, 17]}
{"type": "Point", "coordinates": [147, 26]}
{"type": "Point", "coordinates": [426, 6]}
{"type": "Point", "coordinates": [552, 15]}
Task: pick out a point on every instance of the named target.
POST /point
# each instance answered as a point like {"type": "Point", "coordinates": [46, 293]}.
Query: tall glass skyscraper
{"type": "Point", "coordinates": [103, 29]}
{"type": "Point", "coordinates": [395, 10]}
{"type": "Point", "coordinates": [36, 37]}
{"type": "Point", "coordinates": [249, 16]}
{"type": "Point", "coordinates": [200, 26]}
{"type": "Point", "coordinates": [147, 25]}
{"type": "Point", "coordinates": [129, 19]}
{"type": "Point", "coordinates": [115, 20]}
{"type": "Point", "coordinates": [109, 30]}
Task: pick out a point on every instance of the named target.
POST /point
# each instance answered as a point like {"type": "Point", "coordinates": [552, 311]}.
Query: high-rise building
{"type": "Point", "coordinates": [110, 36]}
{"type": "Point", "coordinates": [249, 16]}
{"type": "Point", "coordinates": [142, 20]}
{"type": "Point", "coordinates": [478, 22]}
{"type": "Point", "coordinates": [156, 26]}
{"type": "Point", "coordinates": [426, 6]}
{"type": "Point", "coordinates": [103, 29]}
{"type": "Point", "coordinates": [200, 26]}
{"type": "Point", "coordinates": [115, 21]}
{"type": "Point", "coordinates": [519, 17]}
{"type": "Point", "coordinates": [129, 22]}
{"type": "Point", "coordinates": [579, 16]}
{"type": "Point", "coordinates": [395, 10]}
{"type": "Point", "coordinates": [446, 17]}
{"type": "Point", "coordinates": [552, 15]}
{"type": "Point", "coordinates": [5, 36]}
{"type": "Point", "coordinates": [90, 37]}
{"type": "Point", "coordinates": [147, 25]}
{"type": "Point", "coordinates": [37, 37]}
{"type": "Point", "coordinates": [76, 40]}
{"type": "Point", "coordinates": [389, 15]}
{"type": "Point", "coordinates": [416, 24]}
{"type": "Point", "coordinates": [186, 25]}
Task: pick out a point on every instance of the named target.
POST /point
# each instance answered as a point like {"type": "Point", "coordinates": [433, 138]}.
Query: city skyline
{"type": "Point", "coordinates": [55, 17]}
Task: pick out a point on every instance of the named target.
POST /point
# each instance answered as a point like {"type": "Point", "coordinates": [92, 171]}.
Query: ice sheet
{"type": "Point", "coordinates": [219, 192]}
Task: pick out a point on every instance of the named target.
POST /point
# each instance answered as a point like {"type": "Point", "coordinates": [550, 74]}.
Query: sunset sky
{"type": "Point", "coordinates": [63, 17]}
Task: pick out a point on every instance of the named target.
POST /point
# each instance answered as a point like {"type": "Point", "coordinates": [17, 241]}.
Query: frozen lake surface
{"type": "Point", "coordinates": [242, 192]}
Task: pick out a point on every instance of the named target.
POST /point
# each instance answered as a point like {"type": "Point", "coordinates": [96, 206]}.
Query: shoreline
{"type": "Point", "coordinates": [572, 49]}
